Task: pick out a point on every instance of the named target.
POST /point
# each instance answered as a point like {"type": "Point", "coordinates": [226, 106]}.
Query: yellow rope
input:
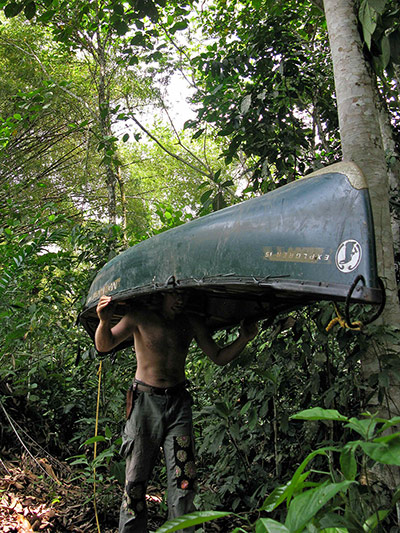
{"type": "Point", "coordinates": [95, 448]}
{"type": "Point", "coordinates": [354, 326]}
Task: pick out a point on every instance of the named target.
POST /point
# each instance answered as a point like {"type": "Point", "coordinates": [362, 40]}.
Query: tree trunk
{"type": "Point", "coordinates": [105, 130]}
{"type": "Point", "coordinates": [123, 205]}
{"type": "Point", "coordinates": [389, 145]}
{"type": "Point", "coordinates": [360, 132]}
{"type": "Point", "coordinates": [362, 143]}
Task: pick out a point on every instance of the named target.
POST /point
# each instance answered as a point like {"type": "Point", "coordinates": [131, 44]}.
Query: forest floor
{"type": "Point", "coordinates": [47, 495]}
{"type": "Point", "coordinates": [43, 494]}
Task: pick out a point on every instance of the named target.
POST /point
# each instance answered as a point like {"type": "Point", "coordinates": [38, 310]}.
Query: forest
{"type": "Point", "coordinates": [120, 120]}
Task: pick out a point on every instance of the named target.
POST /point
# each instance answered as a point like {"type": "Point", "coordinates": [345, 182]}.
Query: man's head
{"type": "Point", "coordinates": [174, 302]}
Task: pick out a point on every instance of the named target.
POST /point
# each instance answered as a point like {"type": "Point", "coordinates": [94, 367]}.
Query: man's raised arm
{"type": "Point", "coordinates": [224, 355]}
{"type": "Point", "coordinates": [106, 338]}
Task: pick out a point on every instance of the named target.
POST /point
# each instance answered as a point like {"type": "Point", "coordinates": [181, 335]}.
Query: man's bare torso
{"type": "Point", "coordinates": [161, 346]}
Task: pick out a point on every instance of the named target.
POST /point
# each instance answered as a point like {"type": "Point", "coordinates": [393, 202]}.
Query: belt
{"type": "Point", "coordinates": [162, 391]}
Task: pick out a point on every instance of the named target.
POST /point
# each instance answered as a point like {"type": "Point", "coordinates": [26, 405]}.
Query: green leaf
{"type": "Point", "coordinates": [222, 409]}
{"type": "Point", "coordinates": [334, 530]}
{"type": "Point", "coordinates": [298, 477]}
{"type": "Point", "coordinates": [365, 428]}
{"type": "Point", "coordinates": [385, 47]}
{"type": "Point", "coordinates": [82, 461]}
{"type": "Point", "coordinates": [372, 522]}
{"type": "Point", "coordinates": [267, 525]}
{"type": "Point", "coordinates": [348, 463]}
{"type": "Point", "coordinates": [387, 453]}
{"type": "Point", "coordinates": [198, 133]}
{"type": "Point", "coordinates": [30, 10]}
{"type": "Point", "coordinates": [246, 103]}
{"type": "Point", "coordinates": [125, 137]}
{"type": "Point", "coordinates": [394, 39]}
{"type": "Point", "coordinates": [387, 438]}
{"type": "Point", "coordinates": [109, 452]}
{"type": "Point", "coordinates": [13, 9]}
{"type": "Point", "coordinates": [396, 496]}
{"type": "Point", "coordinates": [179, 26]}
{"type": "Point", "coordinates": [305, 506]}
{"type": "Point", "coordinates": [389, 423]}
{"type": "Point", "coordinates": [367, 16]}
{"type": "Point", "coordinates": [205, 196]}
{"type": "Point", "coordinates": [192, 519]}
{"type": "Point", "coordinates": [99, 438]}
{"type": "Point", "coordinates": [121, 27]}
{"type": "Point", "coordinates": [317, 413]}
{"type": "Point", "coordinates": [245, 408]}
{"type": "Point", "coordinates": [377, 5]}
{"type": "Point", "coordinates": [276, 497]}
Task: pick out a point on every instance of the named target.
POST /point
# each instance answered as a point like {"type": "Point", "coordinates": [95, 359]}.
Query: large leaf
{"type": "Point", "coordinates": [378, 5]}
{"type": "Point", "coordinates": [367, 16]}
{"type": "Point", "coordinates": [366, 428]}
{"type": "Point", "coordinates": [348, 463]}
{"type": "Point", "coordinates": [267, 525]}
{"type": "Point", "coordinates": [387, 453]}
{"type": "Point", "coordinates": [317, 413]}
{"type": "Point", "coordinates": [276, 497]}
{"type": "Point", "coordinates": [305, 506]}
{"type": "Point", "coordinates": [297, 478]}
{"type": "Point", "coordinates": [192, 519]}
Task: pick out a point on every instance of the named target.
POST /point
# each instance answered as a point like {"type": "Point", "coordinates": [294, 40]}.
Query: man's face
{"type": "Point", "coordinates": [174, 302]}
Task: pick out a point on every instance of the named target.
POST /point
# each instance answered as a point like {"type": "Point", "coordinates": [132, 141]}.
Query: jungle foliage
{"type": "Point", "coordinates": [82, 176]}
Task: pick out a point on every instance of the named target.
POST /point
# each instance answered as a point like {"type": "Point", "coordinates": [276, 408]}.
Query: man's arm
{"type": "Point", "coordinates": [106, 338]}
{"type": "Point", "coordinates": [224, 355]}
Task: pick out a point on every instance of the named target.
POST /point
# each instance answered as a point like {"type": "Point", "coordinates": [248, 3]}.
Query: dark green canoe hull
{"type": "Point", "coordinates": [304, 242]}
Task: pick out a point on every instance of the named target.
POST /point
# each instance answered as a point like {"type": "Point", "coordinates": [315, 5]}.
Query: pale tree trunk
{"type": "Point", "coordinates": [362, 143]}
{"type": "Point", "coordinates": [393, 161]}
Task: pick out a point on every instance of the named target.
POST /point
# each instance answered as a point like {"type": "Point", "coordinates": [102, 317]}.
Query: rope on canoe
{"type": "Point", "coordinates": [354, 326]}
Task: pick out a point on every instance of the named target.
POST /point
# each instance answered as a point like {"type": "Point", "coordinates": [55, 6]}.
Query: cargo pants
{"type": "Point", "coordinates": [159, 418]}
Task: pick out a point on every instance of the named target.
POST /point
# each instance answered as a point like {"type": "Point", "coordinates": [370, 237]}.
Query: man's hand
{"type": "Point", "coordinates": [105, 308]}
{"type": "Point", "coordinates": [248, 330]}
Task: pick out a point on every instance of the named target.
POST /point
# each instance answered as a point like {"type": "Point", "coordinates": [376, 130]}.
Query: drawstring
{"type": "Point", "coordinates": [95, 448]}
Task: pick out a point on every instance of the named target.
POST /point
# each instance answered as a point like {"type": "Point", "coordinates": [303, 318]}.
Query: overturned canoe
{"type": "Point", "coordinates": [309, 240]}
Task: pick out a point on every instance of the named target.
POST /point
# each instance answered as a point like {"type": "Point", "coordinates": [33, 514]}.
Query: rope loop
{"type": "Point", "coordinates": [345, 321]}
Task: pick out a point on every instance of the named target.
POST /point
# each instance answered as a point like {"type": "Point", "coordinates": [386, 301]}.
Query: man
{"type": "Point", "coordinates": [161, 415]}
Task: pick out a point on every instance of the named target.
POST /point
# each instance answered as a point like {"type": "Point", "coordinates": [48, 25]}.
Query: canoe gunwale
{"type": "Point", "coordinates": [272, 295]}
{"type": "Point", "coordinates": [227, 283]}
{"type": "Point", "coordinates": [281, 294]}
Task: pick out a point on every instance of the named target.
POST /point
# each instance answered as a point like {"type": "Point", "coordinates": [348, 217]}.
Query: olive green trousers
{"type": "Point", "coordinates": [158, 420]}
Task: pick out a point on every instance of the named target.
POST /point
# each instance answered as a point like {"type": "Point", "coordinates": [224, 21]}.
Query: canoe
{"type": "Point", "coordinates": [310, 240]}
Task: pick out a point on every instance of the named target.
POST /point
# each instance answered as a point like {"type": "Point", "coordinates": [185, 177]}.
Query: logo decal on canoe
{"type": "Point", "coordinates": [348, 256]}
{"type": "Point", "coordinates": [109, 287]}
{"type": "Point", "coordinates": [297, 254]}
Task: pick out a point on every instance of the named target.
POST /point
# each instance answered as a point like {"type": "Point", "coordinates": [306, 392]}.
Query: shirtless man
{"type": "Point", "coordinates": [162, 406]}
